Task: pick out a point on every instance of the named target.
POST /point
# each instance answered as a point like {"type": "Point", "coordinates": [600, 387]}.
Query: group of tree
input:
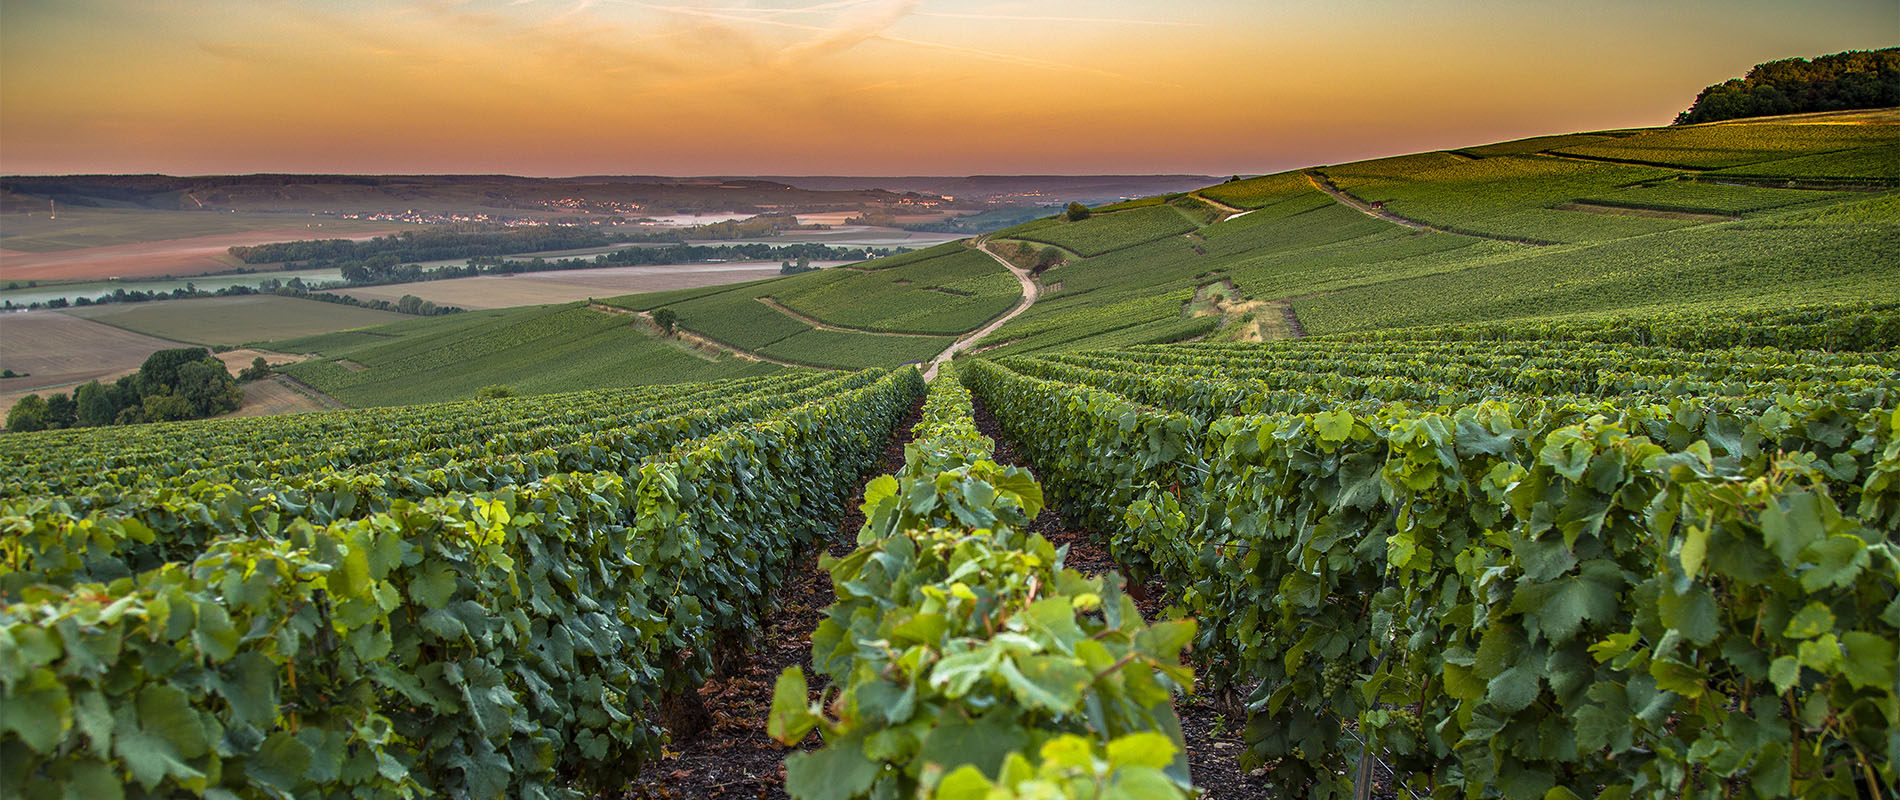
{"type": "Point", "coordinates": [181, 383]}
{"type": "Point", "coordinates": [295, 287]}
{"type": "Point", "coordinates": [1076, 212]}
{"type": "Point", "coordinates": [1838, 82]}
{"type": "Point", "coordinates": [989, 221]}
{"type": "Point", "coordinates": [422, 245]}
{"type": "Point", "coordinates": [1037, 260]}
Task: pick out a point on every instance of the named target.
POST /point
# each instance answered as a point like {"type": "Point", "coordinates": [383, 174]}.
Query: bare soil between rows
{"type": "Point", "coordinates": [734, 758]}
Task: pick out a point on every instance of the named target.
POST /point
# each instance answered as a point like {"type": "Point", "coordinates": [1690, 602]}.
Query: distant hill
{"type": "Point", "coordinates": [1838, 82]}
{"type": "Point", "coordinates": [515, 196]}
{"type": "Point", "coordinates": [1730, 220]}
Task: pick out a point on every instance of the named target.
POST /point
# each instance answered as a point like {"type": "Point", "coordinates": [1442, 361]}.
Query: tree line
{"type": "Point", "coordinates": [1838, 82]}
{"type": "Point", "coordinates": [175, 384]}
{"type": "Point", "coordinates": [422, 245]}
{"type": "Point", "coordinates": [295, 287]}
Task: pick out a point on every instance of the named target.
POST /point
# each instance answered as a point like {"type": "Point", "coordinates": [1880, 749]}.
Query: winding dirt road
{"type": "Point", "coordinates": [1030, 292]}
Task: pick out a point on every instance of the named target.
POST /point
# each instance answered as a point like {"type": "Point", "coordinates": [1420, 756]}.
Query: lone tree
{"type": "Point", "coordinates": [494, 391]}
{"type": "Point", "coordinates": [667, 319]}
{"type": "Point", "coordinates": [259, 370]}
{"type": "Point", "coordinates": [1077, 212]}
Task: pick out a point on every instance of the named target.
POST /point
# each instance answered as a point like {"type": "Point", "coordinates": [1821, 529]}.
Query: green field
{"type": "Point", "coordinates": [236, 320]}
{"type": "Point", "coordinates": [948, 294]}
{"type": "Point", "coordinates": [930, 296]}
{"type": "Point", "coordinates": [1732, 145]}
{"type": "Point", "coordinates": [534, 350]}
{"type": "Point", "coordinates": [97, 227]}
{"type": "Point", "coordinates": [1511, 249]}
{"type": "Point", "coordinates": [1106, 232]}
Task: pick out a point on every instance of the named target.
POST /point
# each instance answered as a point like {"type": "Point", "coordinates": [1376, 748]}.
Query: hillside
{"type": "Point", "coordinates": [532, 350]}
{"type": "Point", "coordinates": [1733, 218]}
{"type": "Point", "coordinates": [1563, 439]}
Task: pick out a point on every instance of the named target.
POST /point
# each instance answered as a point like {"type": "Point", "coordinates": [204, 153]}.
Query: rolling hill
{"type": "Point", "coordinates": [1732, 218]}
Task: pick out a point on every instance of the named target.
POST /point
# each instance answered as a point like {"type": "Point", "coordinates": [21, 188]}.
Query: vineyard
{"type": "Point", "coordinates": [472, 599]}
{"type": "Point", "coordinates": [1645, 555]}
{"type": "Point", "coordinates": [1578, 476]}
{"type": "Point", "coordinates": [1533, 568]}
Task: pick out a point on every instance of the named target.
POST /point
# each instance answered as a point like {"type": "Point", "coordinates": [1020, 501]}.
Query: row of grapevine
{"type": "Point", "coordinates": [516, 641]}
{"type": "Point", "coordinates": [964, 659]}
{"type": "Point", "coordinates": [180, 454]}
{"type": "Point", "coordinates": [1519, 596]}
{"type": "Point", "coordinates": [102, 534]}
{"type": "Point", "coordinates": [1841, 326]}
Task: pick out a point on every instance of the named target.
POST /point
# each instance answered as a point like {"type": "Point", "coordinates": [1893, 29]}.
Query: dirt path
{"type": "Point", "coordinates": [734, 757]}
{"type": "Point", "coordinates": [1031, 291]}
{"type": "Point", "coordinates": [825, 326]}
{"type": "Point", "coordinates": [697, 340]}
{"type": "Point", "coordinates": [1213, 739]}
{"type": "Point", "coordinates": [1232, 212]}
{"type": "Point", "coordinates": [1325, 184]}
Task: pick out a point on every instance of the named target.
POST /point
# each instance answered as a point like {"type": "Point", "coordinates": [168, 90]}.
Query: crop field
{"type": "Point", "coordinates": [432, 509]}
{"type": "Point", "coordinates": [84, 228]}
{"type": "Point", "coordinates": [1102, 233]}
{"type": "Point", "coordinates": [1259, 192]}
{"type": "Point", "coordinates": [1260, 484]}
{"type": "Point", "coordinates": [1535, 144]}
{"type": "Point", "coordinates": [1505, 196]}
{"type": "Point", "coordinates": [821, 348]}
{"type": "Point", "coordinates": [542, 288]}
{"type": "Point", "coordinates": [234, 320]}
{"type": "Point", "coordinates": [1878, 164]}
{"type": "Point", "coordinates": [948, 294]}
{"type": "Point", "coordinates": [536, 350]}
{"type": "Point", "coordinates": [54, 349]}
{"type": "Point", "coordinates": [933, 294]}
{"type": "Point", "coordinates": [1720, 146]}
{"type": "Point", "coordinates": [1711, 198]}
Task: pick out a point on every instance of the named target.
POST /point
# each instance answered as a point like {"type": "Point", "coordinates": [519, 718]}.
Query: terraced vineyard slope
{"type": "Point", "coordinates": [1732, 218]}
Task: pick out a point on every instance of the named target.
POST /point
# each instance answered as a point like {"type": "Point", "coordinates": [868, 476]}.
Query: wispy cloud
{"type": "Point", "coordinates": [1038, 18]}
{"type": "Point", "coordinates": [855, 22]}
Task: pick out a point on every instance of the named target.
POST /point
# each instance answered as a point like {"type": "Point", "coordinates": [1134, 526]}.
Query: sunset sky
{"type": "Point", "coordinates": [855, 87]}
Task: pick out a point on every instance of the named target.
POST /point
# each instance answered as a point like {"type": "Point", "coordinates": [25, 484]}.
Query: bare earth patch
{"type": "Point", "coordinates": [59, 352]}
{"type": "Point", "coordinates": [566, 286]}
{"type": "Point", "coordinates": [196, 255]}
{"type": "Point", "coordinates": [281, 394]}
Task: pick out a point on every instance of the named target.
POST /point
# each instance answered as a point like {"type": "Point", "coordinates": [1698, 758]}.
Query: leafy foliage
{"type": "Point", "coordinates": [509, 641]}
{"type": "Point", "coordinates": [1854, 79]}
{"type": "Point", "coordinates": [1513, 592]}
{"type": "Point", "coordinates": [958, 642]}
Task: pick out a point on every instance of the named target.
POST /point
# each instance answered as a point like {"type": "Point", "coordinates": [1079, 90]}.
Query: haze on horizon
{"type": "Point", "coordinates": [854, 87]}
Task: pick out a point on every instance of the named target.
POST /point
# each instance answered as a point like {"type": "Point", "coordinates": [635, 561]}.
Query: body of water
{"type": "Point", "coordinates": [211, 283]}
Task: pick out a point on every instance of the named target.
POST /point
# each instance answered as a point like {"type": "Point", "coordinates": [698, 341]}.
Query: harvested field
{"type": "Point", "coordinates": [55, 349]}
{"type": "Point", "coordinates": [195, 255]}
{"type": "Point", "coordinates": [235, 320]}
{"type": "Point", "coordinates": [281, 394]}
{"type": "Point", "coordinates": [500, 291]}
{"type": "Point", "coordinates": [60, 352]}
